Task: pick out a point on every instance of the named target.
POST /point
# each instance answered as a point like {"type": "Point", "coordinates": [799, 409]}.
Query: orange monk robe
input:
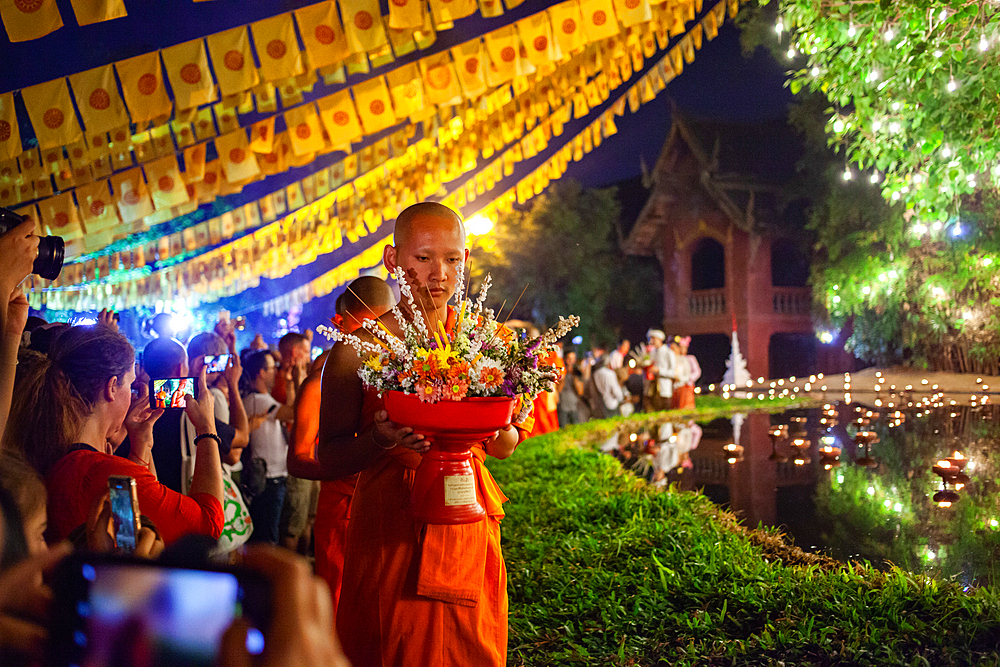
{"type": "Point", "coordinates": [545, 407]}
{"type": "Point", "coordinates": [334, 504]}
{"type": "Point", "coordinates": [421, 594]}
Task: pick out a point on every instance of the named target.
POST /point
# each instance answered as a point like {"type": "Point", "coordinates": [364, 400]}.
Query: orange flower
{"type": "Point", "coordinates": [456, 389]}
{"type": "Point", "coordinates": [491, 377]}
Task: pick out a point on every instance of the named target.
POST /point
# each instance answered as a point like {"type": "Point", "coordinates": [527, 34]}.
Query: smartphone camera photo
{"type": "Point", "coordinates": [216, 363]}
{"type": "Point", "coordinates": [171, 392]}
{"type": "Point", "coordinates": [124, 511]}
{"type": "Point", "coordinates": [136, 613]}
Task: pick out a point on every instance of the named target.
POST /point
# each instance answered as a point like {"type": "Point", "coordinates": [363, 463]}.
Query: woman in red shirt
{"type": "Point", "coordinates": [65, 406]}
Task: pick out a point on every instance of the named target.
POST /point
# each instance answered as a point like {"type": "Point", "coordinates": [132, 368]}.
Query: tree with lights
{"type": "Point", "coordinates": [561, 250]}
{"type": "Point", "coordinates": [899, 103]}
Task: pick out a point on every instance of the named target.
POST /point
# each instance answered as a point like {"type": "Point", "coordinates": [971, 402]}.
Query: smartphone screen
{"type": "Point", "coordinates": [216, 363]}
{"type": "Point", "coordinates": [125, 511]}
{"type": "Point", "coordinates": [136, 612]}
{"type": "Point", "coordinates": [170, 392]}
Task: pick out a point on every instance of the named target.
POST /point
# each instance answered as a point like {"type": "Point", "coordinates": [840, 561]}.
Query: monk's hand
{"type": "Point", "coordinates": [503, 443]}
{"type": "Point", "coordinates": [387, 435]}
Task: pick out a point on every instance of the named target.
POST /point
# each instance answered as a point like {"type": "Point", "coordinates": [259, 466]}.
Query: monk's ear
{"type": "Point", "coordinates": [389, 259]}
{"type": "Point", "coordinates": [466, 255]}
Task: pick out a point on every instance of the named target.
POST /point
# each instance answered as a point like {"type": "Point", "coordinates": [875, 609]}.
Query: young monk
{"type": "Point", "coordinates": [368, 297]}
{"type": "Point", "coordinates": [413, 593]}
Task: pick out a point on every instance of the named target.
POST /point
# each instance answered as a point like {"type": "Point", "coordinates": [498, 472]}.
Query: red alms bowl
{"type": "Point", "coordinates": [450, 424]}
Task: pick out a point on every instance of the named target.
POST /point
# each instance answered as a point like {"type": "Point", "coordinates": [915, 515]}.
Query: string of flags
{"type": "Point", "coordinates": [317, 228]}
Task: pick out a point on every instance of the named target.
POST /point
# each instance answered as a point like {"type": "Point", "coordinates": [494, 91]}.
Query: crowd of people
{"type": "Point", "coordinates": [655, 375]}
{"type": "Point", "coordinates": [278, 448]}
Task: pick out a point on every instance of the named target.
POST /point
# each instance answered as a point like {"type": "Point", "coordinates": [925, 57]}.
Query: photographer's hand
{"type": "Point", "coordinates": [302, 629]}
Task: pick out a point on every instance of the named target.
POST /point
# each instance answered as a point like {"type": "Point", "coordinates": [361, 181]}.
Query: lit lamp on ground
{"type": "Point", "coordinates": [776, 433]}
{"type": "Point", "coordinates": [865, 439]}
{"type": "Point", "coordinates": [801, 446]}
{"type": "Point", "coordinates": [733, 452]}
{"type": "Point", "coordinates": [829, 454]}
{"type": "Point", "coordinates": [951, 473]}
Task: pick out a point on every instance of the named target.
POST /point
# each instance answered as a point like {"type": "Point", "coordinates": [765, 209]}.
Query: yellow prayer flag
{"type": "Point", "coordinates": [262, 136]}
{"type": "Point", "coordinates": [204, 126]}
{"type": "Point", "coordinates": [227, 119]}
{"type": "Point", "coordinates": [710, 25]}
{"type": "Point", "coordinates": [632, 12]}
{"type": "Point", "coordinates": [322, 34]}
{"type": "Point", "coordinates": [450, 10]}
{"type": "Point", "coordinates": [374, 106]}
{"type": "Point", "coordinates": [190, 78]}
{"type": "Point", "coordinates": [277, 47]}
{"type": "Point", "coordinates": [232, 60]}
{"type": "Point", "coordinates": [599, 19]}
{"type": "Point", "coordinates": [142, 85]}
{"type": "Point", "coordinates": [363, 25]}
{"type": "Point", "coordinates": [536, 36]}
{"type": "Point", "coordinates": [131, 195]}
{"type": "Point", "coordinates": [491, 8]}
{"type": "Point", "coordinates": [97, 98]}
{"type": "Point", "coordinates": [10, 134]}
{"type": "Point", "coordinates": [208, 187]}
{"type": "Point", "coordinates": [406, 14]}
{"type": "Point", "coordinates": [502, 48]}
{"type": "Point", "coordinates": [470, 61]}
{"type": "Point", "coordinates": [30, 164]}
{"type": "Point", "coordinates": [29, 19]}
{"type": "Point", "coordinates": [440, 79]}
{"type": "Point", "coordinates": [61, 216]}
{"type": "Point", "coordinates": [51, 112]}
{"type": "Point", "coordinates": [96, 208]}
{"type": "Point", "coordinates": [407, 91]}
{"type": "Point", "coordinates": [273, 162]}
{"type": "Point", "coordinates": [95, 11]}
{"type": "Point", "coordinates": [567, 26]}
{"type": "Point", "coordinates": [238, 161]}
{"type": "Point", "coordinates": [194, 163]}
{"type": "Point", "coordinates": [164, 178]}
{"type": "Point", "coordinates": [304, 129]}
{"type": "Point", "coordinates": [340, 118]}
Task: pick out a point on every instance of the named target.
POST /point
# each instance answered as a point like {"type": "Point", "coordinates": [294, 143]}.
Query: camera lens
{"type": "Point", "coordinates": [51, 253]}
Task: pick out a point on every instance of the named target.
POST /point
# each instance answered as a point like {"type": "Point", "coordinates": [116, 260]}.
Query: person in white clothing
{"type": "Point", "coordinates": [606, 382]}
{"type": "Point", "coordinates": [664, 370]}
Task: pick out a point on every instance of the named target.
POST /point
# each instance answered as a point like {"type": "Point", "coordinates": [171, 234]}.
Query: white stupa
{"type": "Point", "coordinates": [736, 365]}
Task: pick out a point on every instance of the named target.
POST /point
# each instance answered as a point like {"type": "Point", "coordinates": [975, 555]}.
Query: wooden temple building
{"type": "Point", "coordinates": [725, 218]}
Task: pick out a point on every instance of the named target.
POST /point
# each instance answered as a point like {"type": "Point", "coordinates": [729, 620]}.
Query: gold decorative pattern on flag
{"type": "Point", "coordinates": [374, 106]}
{"type": "Point", "coordinates": [97, 98]}
{"type": "Point", "coordinates": [277, 47]}
{"type": "Point", "coordinates": [142, 85]}
{"type": "Point", "coordinates": [232, 61]}
{"type": "Point", "coordinates": [440, 79]}
{"type": "Point", "coordinates": [95, 11]}
{"type": "Point", "coordinates": [502, 47]}
{"type": "Point", "coordinates": [407, 92]}
{"type": "Point", "coordinates": [536, 36]}
{"type": "Point", "coordinates": [238, 162]}
{"type": "Point", "coordinates": [164, 179]}
{"type": "Point", "coordinates": [340, 118]}
{"type": "Point", "coordinates": [51, 112]}
{"type": "Point", "coordinates": [190, 78]}
{"type": "Point", "coordinates": [406, 14]}
{"type": "Point", "coordinates": [599, 19]}
{"type": "Point", "coordinates": [322, 34]}
{"type": "Point", "coordinates": [29, 19]}
{"type": "Point", "coordinates": [363, 25]}
{"type": "Point", "coordinates": [304, 129]}
{"type": "Point", "coordinates": [470, 63]}
{"type": "Point", "coordinates": [10, 133]}
{"type": "Point", "coordinates": [567, 26]}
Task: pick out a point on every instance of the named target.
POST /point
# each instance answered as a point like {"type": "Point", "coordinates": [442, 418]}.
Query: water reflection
{"type": "Point", "coordinates": [916, 489]}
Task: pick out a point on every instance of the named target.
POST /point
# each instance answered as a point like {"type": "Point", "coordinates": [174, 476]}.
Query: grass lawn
{"type": "Point", "coordinates": [605, 570]}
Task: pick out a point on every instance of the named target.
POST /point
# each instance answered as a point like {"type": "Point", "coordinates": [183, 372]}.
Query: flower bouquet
{"type": "Point", "coordinates": [456, 385]}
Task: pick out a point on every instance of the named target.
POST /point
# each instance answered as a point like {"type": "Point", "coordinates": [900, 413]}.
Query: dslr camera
{"type": "Point", "coordinates": [51, 249]}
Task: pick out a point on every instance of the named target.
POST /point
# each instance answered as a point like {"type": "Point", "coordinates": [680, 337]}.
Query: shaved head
{"type": "Point", "coordinates": [367, 297]}
{"type": "Point", "coordinates": [427, 209]}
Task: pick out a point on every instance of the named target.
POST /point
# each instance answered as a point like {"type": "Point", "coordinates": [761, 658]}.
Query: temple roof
{"type": "Point", "coordinates": [742, 169]}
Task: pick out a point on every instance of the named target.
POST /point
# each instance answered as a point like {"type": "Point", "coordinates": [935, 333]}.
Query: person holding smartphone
{"type": "Point", "coordinates": [66, 407]}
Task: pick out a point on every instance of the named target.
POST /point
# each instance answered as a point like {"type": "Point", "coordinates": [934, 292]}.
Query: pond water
{"type": "Point", "coordinates": [882, 503]}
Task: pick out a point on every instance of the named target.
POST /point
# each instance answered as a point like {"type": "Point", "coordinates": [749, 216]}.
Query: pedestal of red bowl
{"type": "Point", "coordinates": [444, 484]}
